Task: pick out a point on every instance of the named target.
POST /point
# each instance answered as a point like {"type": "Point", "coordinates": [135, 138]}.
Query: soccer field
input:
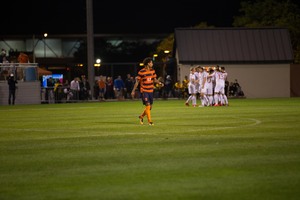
{"type": "Point", "coordinates": [98, 150]}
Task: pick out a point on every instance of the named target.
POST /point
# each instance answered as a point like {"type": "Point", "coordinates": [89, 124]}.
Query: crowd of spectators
{"type": "Point", "coordinates": [105, 88]}
{"type": "Point", "coordinates": [234, 89]}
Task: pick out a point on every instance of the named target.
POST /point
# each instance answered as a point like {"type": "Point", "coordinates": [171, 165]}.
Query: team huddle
{"type": "Point", "coordinates": [209, 84]}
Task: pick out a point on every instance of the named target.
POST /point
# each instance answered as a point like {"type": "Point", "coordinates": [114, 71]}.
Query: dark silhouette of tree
{"type": "Point", "coordinates": [168, 42]}
{"type": "Point", "coordinates": [272, 13]}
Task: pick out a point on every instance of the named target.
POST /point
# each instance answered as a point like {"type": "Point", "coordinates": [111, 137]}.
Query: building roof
{"type": "Point", "coordinates": [233, 45]}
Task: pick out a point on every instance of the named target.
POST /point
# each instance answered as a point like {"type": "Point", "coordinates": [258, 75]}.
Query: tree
{"type": "Point", "coordinates": [168, 42]}
{"type": "Point", "coordinates": [272, 13]}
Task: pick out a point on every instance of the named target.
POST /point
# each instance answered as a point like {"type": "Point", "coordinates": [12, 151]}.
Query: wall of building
{"type": "Point", "coordinates": [26, 93]}
{"type": "Point", "coordinates": [295, 81]}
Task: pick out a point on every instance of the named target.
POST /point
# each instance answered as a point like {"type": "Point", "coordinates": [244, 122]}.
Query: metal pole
{"type": "Point", "coordinates": [45, 35]}
{"type": "Point", "coordinates": [90, 44]}
{"type": "Point", "coordinates": [44, 47]}
{"type": "Point", "coordinates": [33, 48]}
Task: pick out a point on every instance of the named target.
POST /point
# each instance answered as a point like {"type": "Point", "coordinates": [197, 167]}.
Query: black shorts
{"type": "Point", "coordinates": [147, 98]}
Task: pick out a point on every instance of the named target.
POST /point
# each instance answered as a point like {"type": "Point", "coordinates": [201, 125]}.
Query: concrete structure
{"type": "Point", "coordinates": [28, 87]}
{"type": "Point", "coordinates": [27, 93]}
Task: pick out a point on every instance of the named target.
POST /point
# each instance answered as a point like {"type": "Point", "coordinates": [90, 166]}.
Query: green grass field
{"type": "Point", "coordinates": [249, 150]}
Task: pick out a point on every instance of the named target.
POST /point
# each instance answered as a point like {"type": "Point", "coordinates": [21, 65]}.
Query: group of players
{"type": "Point", "coordinates": [209, 85]}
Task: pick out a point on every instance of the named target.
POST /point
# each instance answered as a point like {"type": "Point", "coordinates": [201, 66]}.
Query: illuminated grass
{"type": "Point", "coordinates": [249, 150]}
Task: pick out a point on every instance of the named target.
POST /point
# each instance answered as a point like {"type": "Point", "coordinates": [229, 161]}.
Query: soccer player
{"type": "Point", "coordinates": [192, 88]}
{"type": "Point", "coordinates": [220, 76]}
{"type": "Point", "coordinates": [146, 78]}
{"type": "Point", "coordinates": [224, 100]}
{"type": "Point", "coordinates": [208, 87]}
{"type": "Point", "coordinates": [202, 80]}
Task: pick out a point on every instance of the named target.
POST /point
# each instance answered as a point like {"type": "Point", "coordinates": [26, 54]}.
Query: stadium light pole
{"type": "Point", "coordinates": [90, 43]}
{"type": "Point", "coordinates": [33, 48]}
{"type": "Point", "coordinates": [45, 35]}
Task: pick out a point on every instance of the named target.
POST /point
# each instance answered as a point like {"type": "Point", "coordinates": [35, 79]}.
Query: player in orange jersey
{"type": "Point", "coordinates": [146, 78]}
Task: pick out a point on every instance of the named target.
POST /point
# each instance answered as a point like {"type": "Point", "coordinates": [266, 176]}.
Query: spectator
{"type": "Point", "coordinates": [178, 90]}
{"type": "Point", "coordinates": [102, 88]}
{"type": "Point", "coordinates": [119, 88]}
{"type": "Point", "coordinates": [109, 88]}
{"type": "Point", "coordinates": [74, 87]}
{"type": "Point", "coordinates": [85, 89]}
{"type": "Point", "coordinates": [185, 83]}
{"type": "Point", "coordinates": [235, 89]}
{"type": "Point", "coordinates": [12, 89]}
{"type": "Point", "coordinates": [129, 82]}
{"type": "Point", "coordinates": [50, 90]}
{"type": "Point", "coordinates": [168, 89]}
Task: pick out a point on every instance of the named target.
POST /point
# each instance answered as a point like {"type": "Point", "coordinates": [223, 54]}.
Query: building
{"type": "Point", "coordinates": [261, 59]}
{"type": "Point", "coordinates": [55, 54]}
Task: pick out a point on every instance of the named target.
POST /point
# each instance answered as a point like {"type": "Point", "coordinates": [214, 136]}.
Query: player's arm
{"type": "Point", "coordinates": [158, 82]}
{"type": "Point", "coordinates": [212, 74]}
{"type": "Point", "coordinates": [203, 82]}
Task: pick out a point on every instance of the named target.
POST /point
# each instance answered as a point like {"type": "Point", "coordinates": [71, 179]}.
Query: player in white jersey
{"type": "Point", "coordinates": [224, 100]}
{"type": "Point", "coordinates": [220, 76]}
{"type": "Point", "coordinates": [192, 88]}
{"type": "Point", "coordinates": [202, 79]}
{"type": "Point", "coordinates": [197, 75]}
{"type": "Point", "coordinates": [209, 87]}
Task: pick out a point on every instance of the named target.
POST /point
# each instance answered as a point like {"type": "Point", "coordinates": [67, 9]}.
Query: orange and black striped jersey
{"type": "Point", "coordinates": [146, 78]}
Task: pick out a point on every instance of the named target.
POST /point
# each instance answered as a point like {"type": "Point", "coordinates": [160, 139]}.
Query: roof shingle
{"type": "Point", "coordinates": [233, 45]}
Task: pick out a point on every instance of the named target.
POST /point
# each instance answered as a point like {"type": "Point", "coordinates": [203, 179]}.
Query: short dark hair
{"type": "Point", "coordinates": [147, 60]}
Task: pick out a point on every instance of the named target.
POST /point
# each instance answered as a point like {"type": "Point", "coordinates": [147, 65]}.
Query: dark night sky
{"type": "Point", "coordinates": [115, 17]}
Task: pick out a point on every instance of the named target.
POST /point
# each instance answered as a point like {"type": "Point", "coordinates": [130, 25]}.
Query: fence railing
{"type": "Point", "coordinates": [21, 71]}
{"type": "Point", "coordinates": [63, 94]}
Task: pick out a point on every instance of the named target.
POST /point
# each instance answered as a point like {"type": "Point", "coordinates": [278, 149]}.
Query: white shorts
{"type": "Point", "coordinates": [209, 89]}
{"type": "Point", "coordinates": [220, 89]}
{"type": "Point", "coordinates": [192, 89]}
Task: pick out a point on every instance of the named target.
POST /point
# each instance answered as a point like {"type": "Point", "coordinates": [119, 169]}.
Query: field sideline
{"type": "Point", "coordinates": [98, 150]}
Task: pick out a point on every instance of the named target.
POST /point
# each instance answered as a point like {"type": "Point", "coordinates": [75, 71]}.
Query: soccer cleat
{"type": "Point", "coordinates": [141, 120]}
{"type": "Point", "coordinates": [151, 124]}
{"type": "Point", "coordinates": [187, 104]}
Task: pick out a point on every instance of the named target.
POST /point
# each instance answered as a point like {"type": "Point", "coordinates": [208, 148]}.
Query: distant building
{"type": "Point", "coordinates": [260, 58]}
{"type": "Point", "coordinates": [56, 54]}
